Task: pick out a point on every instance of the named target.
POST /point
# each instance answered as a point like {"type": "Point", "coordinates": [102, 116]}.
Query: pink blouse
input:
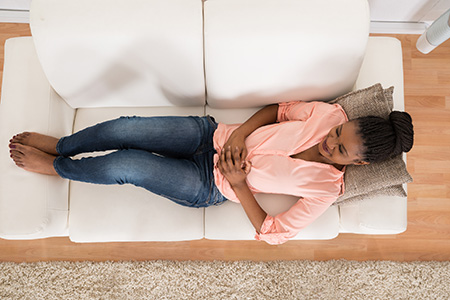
{"type": "Point", "coordinates": [300, 126]}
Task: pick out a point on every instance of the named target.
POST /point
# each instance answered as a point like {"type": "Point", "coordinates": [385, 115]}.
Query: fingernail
{"type": "Point", "coordinates": [12, 146]}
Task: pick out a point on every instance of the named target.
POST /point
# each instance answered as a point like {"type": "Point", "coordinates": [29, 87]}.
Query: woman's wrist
{"type": "Point", "coordinates": [239, 186]}
{"type": "Point", "coordinates": [240, 133]}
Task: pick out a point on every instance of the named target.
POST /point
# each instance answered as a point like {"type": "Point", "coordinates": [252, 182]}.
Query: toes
{"type": "Point", "coordinates": [17, 157]}
{"type": "Point", "coordinates": [20, 137]}
{"type": "Point", "coordinates": [16, 154]}
{"type": "Point", "coordinates": [19, 163]}
{"type": "Point", "coordinates": [17, 147]}
{"type": "Point", "coordinates": [14, 139]}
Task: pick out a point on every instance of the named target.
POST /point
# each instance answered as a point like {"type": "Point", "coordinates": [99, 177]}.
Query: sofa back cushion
{"type": "Point", "coordinates": [121, 53]}
{"type": "Point", "coordinates": [264, 51]}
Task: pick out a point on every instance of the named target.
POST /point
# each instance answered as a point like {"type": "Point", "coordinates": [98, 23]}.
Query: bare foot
{"type": "Point", "coordinates": [32, 159]}
{"type": "Point", "coordinates": [39, 141]}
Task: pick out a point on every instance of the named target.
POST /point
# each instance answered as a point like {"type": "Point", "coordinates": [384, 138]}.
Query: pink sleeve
{"type": "Point", "coordinates": [301, 111]}
{"type": "Point", "coordinates": [279, 229]}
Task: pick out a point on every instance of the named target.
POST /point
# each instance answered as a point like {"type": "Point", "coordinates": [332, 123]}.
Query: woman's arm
{"type": "Point", "coordinates": [234, 167]}
{"type": "Point", "coordinates": [265, 116]}
{"type": "Point", "coordinates": [230, 165]}
{"type": "Point", "coordinates": [251, 207]}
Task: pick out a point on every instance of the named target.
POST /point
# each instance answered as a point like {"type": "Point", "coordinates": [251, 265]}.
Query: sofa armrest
{"type": "Point", "coordinates": [384, 215]}
{"type": "Point", "coordinates": [383, 63]}
{"type": "Point", "coordinates": [31, 205]}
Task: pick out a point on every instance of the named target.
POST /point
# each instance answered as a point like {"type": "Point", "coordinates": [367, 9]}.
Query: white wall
{"type": "Point", "coordinates": [434, 13]}
{"type": "Point", "coordinates": [15, 4]}
{"type": "Point", "coordinates": [15, 11]}
{"type": "Point", "coordinates": [405, 16]}
{"type": "Point", "coordinates": [401, 10]}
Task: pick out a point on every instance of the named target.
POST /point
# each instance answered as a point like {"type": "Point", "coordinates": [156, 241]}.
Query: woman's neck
{"type": "Point", "coordinates": [313, 154]}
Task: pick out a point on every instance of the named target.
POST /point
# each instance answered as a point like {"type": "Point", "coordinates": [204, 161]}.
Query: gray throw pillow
{"type": "Point", "coordinates": [375, 179]}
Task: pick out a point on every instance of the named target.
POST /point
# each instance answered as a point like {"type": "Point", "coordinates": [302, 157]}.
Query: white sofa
{"type": "Point", "coordinates": [89, 61]}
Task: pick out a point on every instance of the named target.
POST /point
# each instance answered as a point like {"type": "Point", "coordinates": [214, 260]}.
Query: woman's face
{"type": "Point", "coordinates": [343, 145]}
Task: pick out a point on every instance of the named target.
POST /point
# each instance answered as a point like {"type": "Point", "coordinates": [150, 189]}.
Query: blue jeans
{"type": "Point", "coordinates": [169, 156]}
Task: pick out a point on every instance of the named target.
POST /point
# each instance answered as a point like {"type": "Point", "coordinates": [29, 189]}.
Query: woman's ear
{"type": "Point", "coordinates": [361, 163]}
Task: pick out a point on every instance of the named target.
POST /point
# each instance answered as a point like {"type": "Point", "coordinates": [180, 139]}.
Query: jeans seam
{"type": "Point", "coordinates": [206, 144]}
{"type": "Point", "coordinates": [178, 201]}
{"type": "Point", "coordinates": [55, 166]}
{"type": "Point", "coordinates": [212, 121]}
{"type": "Point", "coordinates": [210, 193]}
{"type": "Point", "coordinates": [58, 146]}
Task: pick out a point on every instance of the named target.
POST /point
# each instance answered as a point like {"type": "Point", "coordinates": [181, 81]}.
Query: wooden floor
{"type": "Point", "coordinates": [427, 93]}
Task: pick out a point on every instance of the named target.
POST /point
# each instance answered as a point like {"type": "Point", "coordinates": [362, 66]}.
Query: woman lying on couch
{"type": "Point", "coordinates": [295, 148]}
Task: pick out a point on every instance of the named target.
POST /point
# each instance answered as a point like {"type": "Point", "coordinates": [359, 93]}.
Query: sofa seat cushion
{"type": "Point", "coordinates": [31, 205]}
{"type": "Point", "coordinates": [100, 213]}
{"type": "Point", "coordinates": [229, 221]}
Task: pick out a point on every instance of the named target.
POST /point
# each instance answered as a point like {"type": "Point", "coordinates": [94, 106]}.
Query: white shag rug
{"type": "Point", "coordinates": [337, 279]}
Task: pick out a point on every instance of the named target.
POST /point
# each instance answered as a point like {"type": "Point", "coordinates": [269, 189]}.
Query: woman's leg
{"type": "Point", "coordinates": [181, 180]}
{"type": "Point", "coordinates": [172, 136]}
{"type": "Point", "coordinates": [189, 182]}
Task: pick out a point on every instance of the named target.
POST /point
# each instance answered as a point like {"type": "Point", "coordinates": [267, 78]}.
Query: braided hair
{"type": "Point", "coordinates": [385, 138]}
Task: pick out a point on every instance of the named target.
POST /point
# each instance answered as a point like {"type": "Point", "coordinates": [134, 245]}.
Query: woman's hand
{"type": "Point", "coordinates": [237, 139]}
{"type": "Point", "coordinates": [232, 167]}
{"type": "Point", "coordinates": [265, 116]}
